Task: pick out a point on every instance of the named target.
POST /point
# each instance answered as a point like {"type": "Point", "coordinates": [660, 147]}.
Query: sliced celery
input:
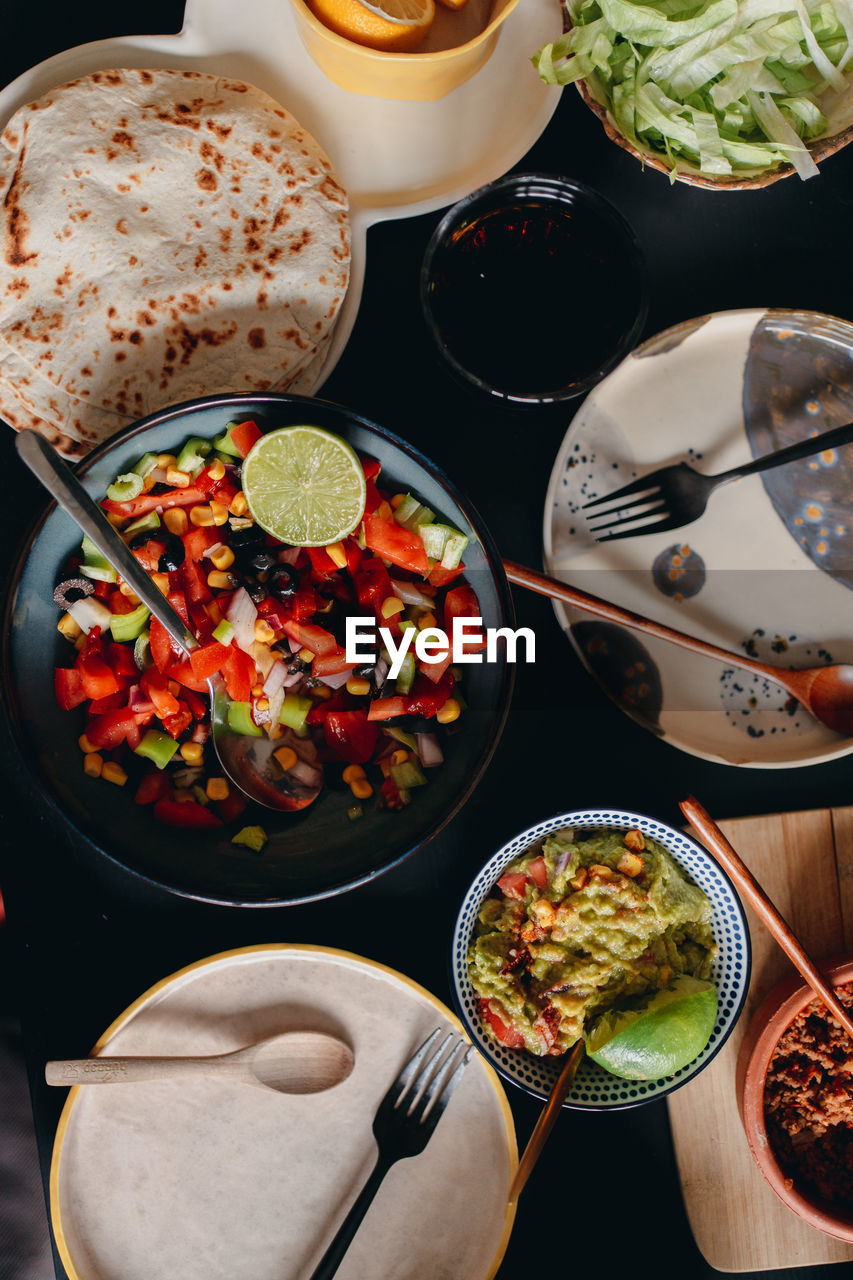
{"type": "Point", "coordinates": [224, 444]}
{"type": "Point", "coordinates": [224, 632]}
{"type": "Point", "coordinates": [240, 720]}
{"type": "Point", "coordinates": [294, 710]}
{"type": "Point", "coordinates": [192, 456]}
{"type": "Point", "coordinates": [144, 524]}
{"type": "Point", "coordinates": [146, 464]}
{"type": "Point", "coordinates": [406, 674]}
{"type": "Point", "coordinates": [125, 487]}
{"type": "Point", "coordinates": [407, 775]}
{"type": "Point", "coordinates": [127, 626]}
{"type": "Point", "coordinates": [453, 551]}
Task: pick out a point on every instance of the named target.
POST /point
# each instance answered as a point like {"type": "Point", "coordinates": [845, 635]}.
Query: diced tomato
{"type": "Point", "coordinates": [184, 674]}
{"type": "Point", "coordinates": [198, 540]}
{"type": "Point", "coordinates": [112, 728]}
{"type": "Point", "coordinates": [372, 585]}
{"type": "Point", "coordinates": [238, 672]}
{"type": "Point", "coordinates": [427, 697]}
{"type": "Point", "coordinates": [232, 806]}
{"type": "Point", "coordinates": [538, 871]}
{"type": "Point", "coordinates": [153, 786]}
{"type": "Point", "coordinates": [151, 501]}
{"type": "Point", "coordinates": [331, 664]}
{"type": "Point", "coordinates": [370, 467]}
{"type": "Point", "coordinates": [162, 650]}
{"type": "Point", "coordinates": [354, 555]}
{"type": "Point", "coordinates": [391, 541]}
{"type": "Point", "coordinates": [155, 686]}
{"type": "Point", "coordinates": [339, 701]}
{"type": "Point", "coordinates": [185, 813]}
{"type": "Point", "coordinates": [302, 605]}
{"type": "Point", "coordinates": [351, 734]}
{"type": "Point", "coordinates": [120, 658]}
{"type": "Point", "coordinates": [387, 708]}
{"type": "Point", "coordinates": [98, 706]}
{"type": "Point", "coordinates": [178, 601]}
{"type": "Point", "coordinates": [436, 671]}
{"type": "Point", "coordinates": [178, 723]}
{"type": "Point", "coordinates": [503, 1033]}
{"type": "Point", "coordinates": [439, 577]}
{"type": "Point", "coordinates": [102, 590]}
{"type": "Point", "coordinates": [207, 659]}
{"type": "Point", "coordinates": [462, 602]}
{"type": "Point", "coordinates": [513, 883]}
{"type": "Point", "coordinates": [196, 703]}
{"type": "Point", "coordinates": [148, 555]}
{"type": "Point", "coordinates": [309, 636]}
{"type": "Point", "coordinates": [193, 579]}
{"type": "Point", "coordinates": [322, 564]}
{"type": "Point", "coordinates": [244, 435]}
{"type": "Point", "coordinates": [372, 498]}
{"type": "Point", "coordinates": [119, 603]}
{"type": "Point", "coordinates": [98, 678]}
{"type": "Point", "coordinates": [68, 685]}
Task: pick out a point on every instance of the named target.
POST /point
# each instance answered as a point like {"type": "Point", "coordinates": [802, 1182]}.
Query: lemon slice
{"type": "Point", "coordinates": [304, 485]}
{"type": "Point", "coordinates": [658, 1038]}
{"type": "Point", "coordinates": [395, 26]}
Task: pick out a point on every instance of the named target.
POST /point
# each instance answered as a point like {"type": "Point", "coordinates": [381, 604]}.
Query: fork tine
{"type": "Point", "coordinates": [656, 526]}
{"type": "Point", "coordinates": [636, 486]}
{"type": "Point", "coordinates": [401, 1085]}
{"type": "Point", "coordinates": [624, 514]}
{"type": "Point", "coordinates": [439, 1090]}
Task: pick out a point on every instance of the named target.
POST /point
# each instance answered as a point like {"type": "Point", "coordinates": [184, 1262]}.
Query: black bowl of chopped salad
{"type": "Point", "coordinates": [114, 724]}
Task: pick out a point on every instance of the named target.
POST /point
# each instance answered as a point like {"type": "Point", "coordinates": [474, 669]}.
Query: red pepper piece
{"type": "Point", "coordinates": [244, 435]}
{"type": "Point", "coordinates": [198, 540]}
{"type": "Point", "coordinates": [153, 786]}
{"type": "Point", "coordinates": [118, 603]}
{"type": "Point", "coordinates": [388, 708]}
{"type": "Point", "coordinates": [151, 501]}
{"type": "Point", "coordinates": [232, 806]}
{"type": "Point", "coordinates": [98, 706]}
{"type": "Point", "coordinates": [112, 728]}
{"type": "Point", "coordinates": [372, 498]}
{"type": "Point", "coordinates": [155, 686]}
{"type": "Point", "coordinates": [370, 467]}
{"type": "Point", "coordinates": [184, 674]}
{"type": "Point", "coordinates": [309, 636]}
{"type": "Point", "coordinates": [339, 701]}
{"type": "Point", "coordinates": [185, 813]}
{"type": "Point", "coordinates": [331, 664]}
{"type": "Point", "coordinates": [435, 671]}
{"type": "Point", "coordinates": [391, 541]}
{"type": "Point", "coordinates": [372, 585]}
{"type": "Point", "coordinates": [178, 723]}
{"type": "Point", "coordinates": [462, 602]}
{"type": "Point", "coordinates": [238, 672]}
{"type": "Point", "coordinates": [162, 650]}
{"type": "Point", "coordinates": [196, 703]}
{"type": "Point", "coordinates": [207, 659]}
{"type": "Point", "coordinates": [193, 580]}
{"type": "Point", "coordinates": [427, 698]}
{"type": "Point", "coordinates": [354, 555]}
{"type": "Point", "coordinates": [351, 735]}
{"type": "Point", "coordinates": [439, 577]}
{"type": "Point", "coordinates": [98, 678]}
{"type": "Point", "coordinates": [322, 564]}
{"type": "Point", "coordinates": [120, 658]}
{"type": "Point", "coordinates": [68, 685]}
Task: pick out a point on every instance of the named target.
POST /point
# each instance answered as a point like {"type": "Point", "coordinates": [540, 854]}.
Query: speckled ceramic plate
{"type": "Point", "coordinates": [768, 568]}
{"type": "Point", "coordinates": [214, 1180]}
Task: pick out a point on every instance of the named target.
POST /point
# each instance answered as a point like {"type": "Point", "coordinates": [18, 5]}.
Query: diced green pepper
{"type": "Point", "coordinates": [253, 838]}
{"type": "Point", "coordinates": [142, 650]}
{"type": "Point", "coordinates": [146, 464]}
{"type": "Point", "coordinates": [157, 747]}
{"type": "Point", "coordinates": [294, 709]}
{"type": "Point", "coordinates": [225, 445]}
{"type": "Point", "coordinates": [127, 626]}
{"type": "Point", "coordinates": [192, 456]}
{"type": "Point", "coordinates": [125, 487]}
{"type": "Point", "coordinates": [240, 720]}
{"type": "Point", "coordinates": [145, 524]}
{"type": "Point", "coordinates": [453, 551]}
{"type": "Point", "coordinates": [95, 565]}
{"type": "Point", "coordinates": [400, 735]}
{"type": "Point", "coordinates": [224, 632]}
{"type": "Point", "coordinates": [406, 674]}
{"type": "Point", "coordinates": [407, 775]}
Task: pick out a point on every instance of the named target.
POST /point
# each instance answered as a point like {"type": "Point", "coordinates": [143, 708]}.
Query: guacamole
{"type": "Point", "coordinates": [584, 922]}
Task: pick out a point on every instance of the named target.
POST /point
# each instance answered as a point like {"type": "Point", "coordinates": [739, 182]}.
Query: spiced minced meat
{"type": "Point", "coordinates": [808, 1102]}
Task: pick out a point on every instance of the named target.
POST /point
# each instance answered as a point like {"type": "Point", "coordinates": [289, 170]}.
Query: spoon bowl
{"type": "Point", "coordinates": [249, 762]}
{"type": "Point", "coordinates": [292, 1062]}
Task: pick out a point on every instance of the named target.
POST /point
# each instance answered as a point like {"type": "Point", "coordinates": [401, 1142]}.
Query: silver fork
{"type": "Point", "coordinates": [403, 1125]}
{"type": "Point", "coordinates": [680, 494]}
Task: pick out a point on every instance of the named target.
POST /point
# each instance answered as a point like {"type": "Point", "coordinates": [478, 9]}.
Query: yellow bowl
{"type": "Point", "coordinates": [460, 42]}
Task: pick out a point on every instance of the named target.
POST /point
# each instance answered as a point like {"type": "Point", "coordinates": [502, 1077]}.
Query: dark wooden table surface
{"type": "Point", "coordinates": [86, 939]}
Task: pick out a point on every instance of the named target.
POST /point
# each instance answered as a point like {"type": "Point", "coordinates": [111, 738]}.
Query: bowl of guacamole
{"type": "Point", "coordinates": [587, 915]}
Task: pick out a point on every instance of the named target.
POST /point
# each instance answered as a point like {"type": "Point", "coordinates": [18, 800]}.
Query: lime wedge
{"type": "Point", "coordinates": [304, 485]}
{"type": "Point", "coordinates": [660, 1036]}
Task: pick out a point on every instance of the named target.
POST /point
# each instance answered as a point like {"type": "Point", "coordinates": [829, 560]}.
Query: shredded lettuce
{"type": "Point", "coordinates": [722, 87]}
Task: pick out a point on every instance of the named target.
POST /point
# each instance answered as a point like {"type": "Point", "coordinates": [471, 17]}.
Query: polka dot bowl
{"type": "Point", "coordinates": [594, 1089]}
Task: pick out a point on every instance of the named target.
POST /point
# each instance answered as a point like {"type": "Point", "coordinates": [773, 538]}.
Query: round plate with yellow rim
{"type": "Point", "coordinates": [215, 1180]}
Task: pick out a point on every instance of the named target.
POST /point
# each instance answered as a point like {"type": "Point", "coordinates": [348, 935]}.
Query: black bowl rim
{"type": "Point", "coordinates": [632, 1104]}
{"type": "Point", "coordinates": [11, 711]}
{"type": "Point", "coordinates": [520, 181]}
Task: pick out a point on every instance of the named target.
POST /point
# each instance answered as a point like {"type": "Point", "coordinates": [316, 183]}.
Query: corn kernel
{"type": "Point", "coordinates": [85, 745]}
{"type": "Point", "coordinates": [427, 619]}
{"type": "Point", "coordinates": [361, 788]}
{"type": "Point", "coordinates": [192, 753]}
{"type": "Point", "coordinates": [262, 704]}
{"type": "Point", "coordinates": [216, 470]}
{"type": "Point", "coordinates": [93, 764]}
{"type": "Point", "coordinates": [449, 712]}
{"type": "Point", "coordinates": [179, 479]}
{"type": "Point", "coordinates": [336, 553]}
{"type": "Point", "coordinates": [68, 627]}
{"type": "Point", "coordinates": [391, 605]}
{"type": "Point", "coordinates": [384, 510]}
{"type": "Point", "coordinates": [353, 772]}
{"type": "Point", "coordinates": [201, 516]}
{"type": "Point", "coordinates": [161, 582]}
{"type": "Point", "coordinates": [129, 592]}
{"type": "Point", "coordinates": [257, 690]}
{"type": "Point", "coordinates": [306, 655]}
{"type": "Point", "coordinates": [219, 581]}
{"type": "Point", "coordinates": [176, 520]}
{"type": "Point", "coordinates": [217, 789]}
{"type": "Point", "coordinates": [400, 756]}
{"type": "Point", "coordinates": [166, 460]}
{"type": "Point", "coordinates": [112, 772]}
{"type": "Point", "coordinates": [222, 557]}
{"type": "Point", "coordinates": [357, 686]}
{"type": "Point", "coordinates": [323, 692]}
{"type": "Point", "coordinates": [220, 512]}
{"type": "Point", "coordinates": [286, 757]}
{"type": "Point", "coordinates": [397, 499]}
{"type": "Point", "coordinates": [264, 633]}
{"type": "Point", "coordinates": [239, 506]}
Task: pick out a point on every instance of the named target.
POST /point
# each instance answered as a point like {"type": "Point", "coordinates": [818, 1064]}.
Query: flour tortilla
{"type": "Point", "coordinates": [165, 235]}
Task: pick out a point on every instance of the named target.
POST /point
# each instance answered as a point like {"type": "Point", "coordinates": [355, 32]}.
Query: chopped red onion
{"type": "Point", "coordinates": [409, 594]}
{"type": "Point", "coordinates": [275, 679]}
{"type": "Point", "coordinates": [288, 555]}
{"type": "Point", "coordinates": [335, 681]}
{"type": "Point", "coordinates": [429, 750]}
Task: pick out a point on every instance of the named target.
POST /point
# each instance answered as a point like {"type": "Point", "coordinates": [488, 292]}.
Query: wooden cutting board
{"type": "Point", "coordinates": [805, 863]}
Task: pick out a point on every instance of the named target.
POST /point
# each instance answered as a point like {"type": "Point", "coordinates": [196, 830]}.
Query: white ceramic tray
{"type": "Point", "coordinates": [395, 158]}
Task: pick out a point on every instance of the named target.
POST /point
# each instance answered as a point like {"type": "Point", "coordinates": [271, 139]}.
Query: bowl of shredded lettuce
{"type": "Point", "coordinates": [717, 93]}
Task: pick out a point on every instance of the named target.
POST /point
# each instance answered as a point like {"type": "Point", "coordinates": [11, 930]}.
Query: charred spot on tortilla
{"type": "Point", "coordinates": [204, 153]}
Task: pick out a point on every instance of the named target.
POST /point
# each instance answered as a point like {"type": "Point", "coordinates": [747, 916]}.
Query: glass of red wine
{"type": "Point", "coordinates": [533, 287]}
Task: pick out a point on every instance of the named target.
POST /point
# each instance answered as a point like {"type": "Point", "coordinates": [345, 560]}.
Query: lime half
{"type": "Point", "coordinates": [658, 1037]}
{"type": "Point", "coordinates": [304, 485]}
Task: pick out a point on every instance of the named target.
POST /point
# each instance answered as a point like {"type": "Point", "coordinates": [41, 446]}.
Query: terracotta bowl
{"type": "Point", "coordinates": [820, 150]}
{"type": "Point", "coordinates": [770, 1021]}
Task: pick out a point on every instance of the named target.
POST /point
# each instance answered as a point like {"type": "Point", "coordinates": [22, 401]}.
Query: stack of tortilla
{"type": "Point", "coordinates": [165, 235]}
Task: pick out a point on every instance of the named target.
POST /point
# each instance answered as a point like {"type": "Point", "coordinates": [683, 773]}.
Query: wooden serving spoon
{"type": "Point", "coordinates": [825, 692]}
{"type": "Point", "coordinates": [294, 1062]}
{"type": "Point", "coordinates": [545, 1123]}
{"type": "Point", "coordinates": [719, 847]}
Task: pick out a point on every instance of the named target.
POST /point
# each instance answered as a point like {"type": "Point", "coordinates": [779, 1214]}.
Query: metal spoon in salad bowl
{"type": "Point", "coordinates": [248, 761]}
{"type": "Point", "coordinates": [293, 1062]}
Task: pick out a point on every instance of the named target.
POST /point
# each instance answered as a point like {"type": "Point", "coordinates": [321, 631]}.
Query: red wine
{"type": "Point", "coordinates": [538, 297]}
